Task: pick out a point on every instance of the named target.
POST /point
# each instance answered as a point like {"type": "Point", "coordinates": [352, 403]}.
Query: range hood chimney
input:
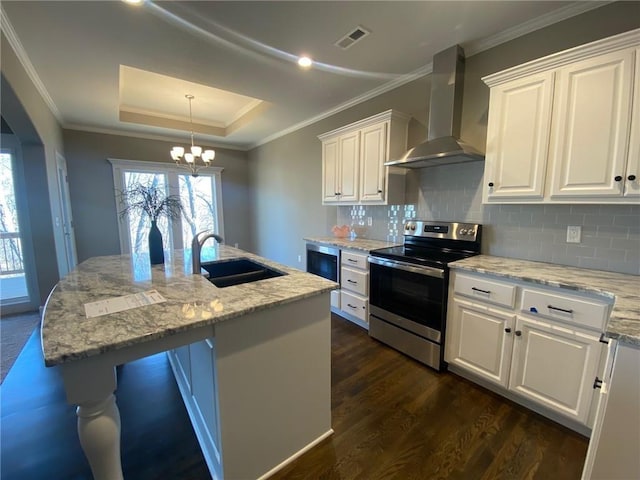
{"type": "Point", "coordinates": [443, 146]}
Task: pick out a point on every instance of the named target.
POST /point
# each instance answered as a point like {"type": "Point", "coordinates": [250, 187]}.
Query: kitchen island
{"type": "Point", "coordinates": [269, 356]}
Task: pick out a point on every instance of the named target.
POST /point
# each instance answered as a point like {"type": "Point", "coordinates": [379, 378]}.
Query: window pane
{"type": "Point", "coordinates": [198, 200]}
{"type": "Point", "coordinates": [139, 224]}
{"type": "Point", "coordinates": [13, 283]}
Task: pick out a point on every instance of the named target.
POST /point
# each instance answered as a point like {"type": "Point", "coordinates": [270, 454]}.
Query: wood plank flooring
{"type": "Point", "coordinates": [392, 417]}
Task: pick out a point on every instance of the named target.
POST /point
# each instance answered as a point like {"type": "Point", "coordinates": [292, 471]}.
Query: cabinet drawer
{"type": "Point", "coordinates": [356, 281]}
{"type": "Point", "coordinates": [585, 312]}
{"type": "Point", "coordinates": [354, 260]}
{"type": "Point", "coordinates": [486, 290]}
{"type": "Point", "coordinates": [355, 305]}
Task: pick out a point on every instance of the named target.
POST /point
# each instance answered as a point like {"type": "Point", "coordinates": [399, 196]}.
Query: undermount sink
{"type": "Point", "coordinates": [235, 272]}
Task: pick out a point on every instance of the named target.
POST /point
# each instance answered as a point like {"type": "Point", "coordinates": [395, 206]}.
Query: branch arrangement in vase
{"type": "Point", "coordinates": [152, 201]}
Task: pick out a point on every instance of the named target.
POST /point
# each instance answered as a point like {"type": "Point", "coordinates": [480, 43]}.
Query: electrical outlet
{"type": "Point", "coordinates": [574, 233]}
{"type": "Point", "coordinates": [235, 244]}
{"type": "Point", "coordinates": [370, 221]}
{"type": "Point", "coordinates": [299, 258]}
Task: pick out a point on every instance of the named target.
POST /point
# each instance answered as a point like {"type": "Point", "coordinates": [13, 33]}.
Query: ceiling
{"type": "Point", "coordinates": [110, 66]}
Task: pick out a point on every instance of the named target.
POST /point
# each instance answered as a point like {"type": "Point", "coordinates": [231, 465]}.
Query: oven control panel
{"type": "Point", "coordinates": [445, 230]}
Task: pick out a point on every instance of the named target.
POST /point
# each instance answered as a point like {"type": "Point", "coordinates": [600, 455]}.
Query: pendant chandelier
{"type": "Point", "coordinates": [195, 154]}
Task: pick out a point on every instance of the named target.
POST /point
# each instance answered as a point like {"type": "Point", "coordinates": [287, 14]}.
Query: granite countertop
{"type": "Point", "coordinates": [624, 323]}
{"type": "Point", "coordinates": [192, 301]}
{"type": "Point", "coordinates": [362, 244]}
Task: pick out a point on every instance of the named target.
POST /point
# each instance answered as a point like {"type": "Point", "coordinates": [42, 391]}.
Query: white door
{"type": "Point", "coordinates": [330, 171]}
{"type": "Point", "coordinates": [518, 138]}
{"type": "Point", "coordinates": [480, 340]}
{"type": "Point", "coordinates": [372, 169]}
{"type": "Point", "coordinates": [67, 218]}
{"type": "Point", "coordinates": [591, 126]}
{"type": "Point", "coordinates": [555, 366]}
{"type": "Point", "coordinates": [349, 148]}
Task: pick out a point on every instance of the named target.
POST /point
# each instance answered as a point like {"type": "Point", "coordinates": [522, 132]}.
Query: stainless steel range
{"type": "Point", "coordinates": [409, 283]}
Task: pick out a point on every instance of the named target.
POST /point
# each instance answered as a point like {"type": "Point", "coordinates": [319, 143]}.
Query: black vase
{"type": "Point", "coordinates": [156, 253]}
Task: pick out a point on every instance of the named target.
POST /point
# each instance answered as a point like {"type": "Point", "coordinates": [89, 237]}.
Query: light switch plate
{"type": "Point", "coordinates": [574, 233]}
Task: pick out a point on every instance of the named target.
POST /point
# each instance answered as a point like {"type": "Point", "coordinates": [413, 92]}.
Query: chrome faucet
{"type": "Point", "coordinates": [196, 247]}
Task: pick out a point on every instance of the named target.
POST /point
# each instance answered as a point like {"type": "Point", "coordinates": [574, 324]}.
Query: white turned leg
{"type": "Point", "coordinates": [99, 432]}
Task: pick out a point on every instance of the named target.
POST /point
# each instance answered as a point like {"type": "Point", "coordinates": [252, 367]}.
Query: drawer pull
{"type": "Point", "coordinates": [352, 306]}
{"type": "Point", "coordinates": [551, 307]}
{"type": "Point", "coordinates": [352, 260]}
{"type": "Point", "coordinates": [507, 330]}
{"type": "Point", "coordinates": [518, 333]}
{"type": "Point", "coordinates": [604, 339]}
{"type": "Point", "coordinates": [597, 383]}
{"type": "Point", "coordinates": [351, 281]}
{"type": "Point", "coordinates": [488, 292]}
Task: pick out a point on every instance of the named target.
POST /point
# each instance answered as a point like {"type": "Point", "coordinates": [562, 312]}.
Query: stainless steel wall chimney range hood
{"type": "Point", "coordinates": [443, 145]}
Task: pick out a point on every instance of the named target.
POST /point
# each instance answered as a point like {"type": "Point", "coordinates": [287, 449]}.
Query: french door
{"type": "Point", "coordinates": [200, 197]}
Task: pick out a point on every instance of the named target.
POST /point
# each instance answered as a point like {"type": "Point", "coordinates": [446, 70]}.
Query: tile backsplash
{"type": "Point", "coordinates": [610, 233]}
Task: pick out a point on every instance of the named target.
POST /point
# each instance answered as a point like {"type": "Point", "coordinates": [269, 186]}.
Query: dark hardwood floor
{"type": "Point", "coordinates": [392, 417]}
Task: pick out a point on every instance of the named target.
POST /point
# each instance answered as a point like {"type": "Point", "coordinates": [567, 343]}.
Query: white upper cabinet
{"type": "Point", "coordinates": [518, 137]}
{"type": "Point", "coordinates": [340, 161]}
{"type": "Point", "coordinates": [632, 175]}
{"type": "Point", "coordinates": [563, 129]}
{"type": "Point", "coordinates": [372, 172]}
{"type": "Point", "coordinates": [353, 157]}
{"type": "Point", "coordinates": [592, 126]}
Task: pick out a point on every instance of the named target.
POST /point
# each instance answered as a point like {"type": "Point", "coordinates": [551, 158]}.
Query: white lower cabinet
{"type": "Point", "coordinates": [354, 287]}
{"type": "Point", "coordinates": [555, 366]}
{"type": "Point", "coordinates": [480, 340]}
{"type": "Point", "coordinates": [525, 351]}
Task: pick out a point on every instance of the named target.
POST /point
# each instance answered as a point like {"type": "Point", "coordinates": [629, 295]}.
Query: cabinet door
{"type": "Point", "coordinates": [591, 126]}
{"type": "Point", "coordinates": [632, 175]}
{"type": "Point", "coordinates": [330, 171]}
{"type": "Point", "coordinates": [479, 340]}
{"type": "Point", "coordinates": [348, 166]}
{"type": "Point", "coordinates": [518, 138]}
{"type": "Point", "coordinates": [555, 366]}
{"type": "Point", "coordinates": [203, 387]}
{"type": "Point", "coordinates": [372, 169]}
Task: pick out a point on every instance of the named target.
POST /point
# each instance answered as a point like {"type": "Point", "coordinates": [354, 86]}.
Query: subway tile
{"type": "Point", "coordinates": [580, 250]}
{"type": "Point", "coordinates": [570, 219]}
{"type": "Point", "coordinates": [632, 243]}
{"type": "Point", "coordinates": [594, 263]}
{"type": "Point", "coordinates": [598, 220]}
{"type": "Point", "coordinates": [597, 241]}
{"type": "Point", "coordinates": [632, 268]}
{"type": "Point", "coordinates": [585, 209]}
{"type": "Point", "coordinates": [626, 220]}
{"type": "Point", "coordinates": [610, 254]}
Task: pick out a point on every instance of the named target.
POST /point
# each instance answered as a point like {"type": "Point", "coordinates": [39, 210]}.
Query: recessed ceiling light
{"type": "Point", "coordinates": [305, 62]}
{"type": "Point", "coordinates": [132, 1]}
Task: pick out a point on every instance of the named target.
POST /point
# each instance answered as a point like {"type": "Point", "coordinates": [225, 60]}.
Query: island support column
{"type": "Point", "coordinates": [89, 384]}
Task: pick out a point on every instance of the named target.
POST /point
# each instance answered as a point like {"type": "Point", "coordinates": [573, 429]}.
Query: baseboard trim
{"type": "Point", "coordinates": [303, 450]}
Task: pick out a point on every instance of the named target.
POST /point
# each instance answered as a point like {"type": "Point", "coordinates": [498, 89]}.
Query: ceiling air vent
{"type": "Point", "coordinates": [352, 37]}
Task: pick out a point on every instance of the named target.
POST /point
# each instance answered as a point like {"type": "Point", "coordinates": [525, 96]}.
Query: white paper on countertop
{"type": "Point", "coordinates": [119, 304]}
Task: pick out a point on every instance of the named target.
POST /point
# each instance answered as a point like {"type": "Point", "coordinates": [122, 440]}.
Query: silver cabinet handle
{"type": "Point", "coordinates": [209, 343]}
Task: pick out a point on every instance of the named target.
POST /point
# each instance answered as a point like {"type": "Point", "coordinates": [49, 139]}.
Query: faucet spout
{"type": "Point", "coordinates": [196, 247]}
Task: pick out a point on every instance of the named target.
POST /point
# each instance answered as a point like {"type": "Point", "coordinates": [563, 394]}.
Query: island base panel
{"type": "Point", "coordinates": [272, 378]}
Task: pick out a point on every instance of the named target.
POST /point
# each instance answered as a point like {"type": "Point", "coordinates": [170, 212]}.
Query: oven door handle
{"type": "Point", "coordinates": [408, 267]}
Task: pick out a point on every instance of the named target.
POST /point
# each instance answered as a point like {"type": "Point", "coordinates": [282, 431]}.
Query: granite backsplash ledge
{"type": "Point", "coordinates": [610, 233]}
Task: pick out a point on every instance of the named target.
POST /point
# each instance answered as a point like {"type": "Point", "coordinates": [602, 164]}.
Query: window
{"type": "Point", "coordinates": [201, 198]}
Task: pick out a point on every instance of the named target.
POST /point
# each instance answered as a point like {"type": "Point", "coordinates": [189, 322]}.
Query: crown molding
{"type": "Point", "coordinates": [565, 57]}
{"type": "Point", "coordinates": [401, 80]}
{"type": "Point", "coordinates": [550, 18]}
{"type": "Point", "coordinates": [152, 136]}
{"type": "Point", "coordinates": [21, 53]}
